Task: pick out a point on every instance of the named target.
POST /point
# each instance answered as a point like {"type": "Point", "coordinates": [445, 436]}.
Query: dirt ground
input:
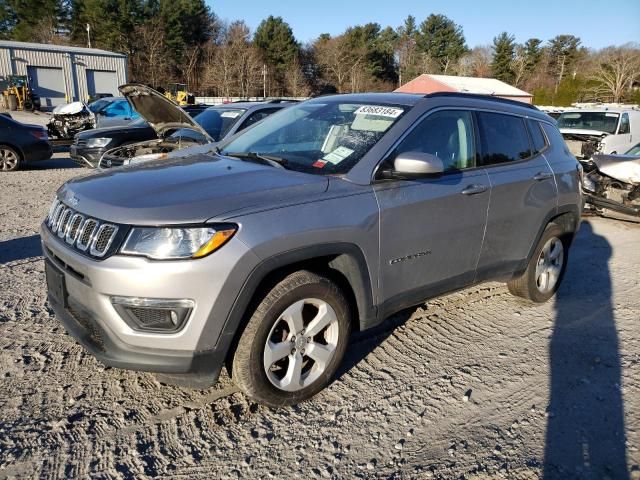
{"type": "Point", "coordinates": [474, 385]}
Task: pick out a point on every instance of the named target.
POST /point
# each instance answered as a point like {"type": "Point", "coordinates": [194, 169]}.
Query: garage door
{"type": "Point", "coordinates": [48, 83]}
{"type": "Point", "coordinates": [102, 81]}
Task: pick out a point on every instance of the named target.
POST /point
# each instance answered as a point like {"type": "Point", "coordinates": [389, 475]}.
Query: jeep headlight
{"type": "Point", "coordinates": [98, 142]}
{"type": "Point", "coordinates": [166, 243]}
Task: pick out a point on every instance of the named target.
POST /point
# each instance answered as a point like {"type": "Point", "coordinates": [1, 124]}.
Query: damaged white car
{"type": "Point", "coordinates": [611, 184]}
{"type": "Point", "coordinates": [174, 127]}
{"type": "Point", "coordinates": [69, 119]}
{"type": "Point", "coordinates": [603, 130]}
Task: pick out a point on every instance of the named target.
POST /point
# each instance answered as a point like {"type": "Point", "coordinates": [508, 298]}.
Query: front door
{"type": "Point", "coordinates": [431, 229]}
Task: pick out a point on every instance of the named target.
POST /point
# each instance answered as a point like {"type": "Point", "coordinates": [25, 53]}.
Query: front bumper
{"type": "Point", "coordinates": [86, 156]}
{"type": "Point", "coordinates": [89, 316]}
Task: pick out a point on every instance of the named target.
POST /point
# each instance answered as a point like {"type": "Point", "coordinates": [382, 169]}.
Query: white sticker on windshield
{"type": "Point", "coordinates": [379, 111]}
{"type": "Point", "coordinates": [338, 155]}
{"type": "Point", "coordinates": [229, 114]}
{"type": "Point", "coordinates": [611, 114]}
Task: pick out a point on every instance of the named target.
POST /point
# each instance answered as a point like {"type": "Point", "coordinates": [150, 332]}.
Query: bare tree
{"type": "Point", "coordinates": [476, 63]}
{"type": "Point", "coordinates": [295, 80]}
{"type": "Point", "coordinates": [519, 65]}
{"type": "Point", "coordinates": [616, 69]}
{"type": "Point", "coordinates": [340, 62]}
{"type": "Point", "coordinates": [234, 66]}
{"type": "Point", "coordinates": [152, 54]}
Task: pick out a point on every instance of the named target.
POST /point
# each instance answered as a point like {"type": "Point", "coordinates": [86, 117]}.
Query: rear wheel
{"type": "Point", "coordinates": [546, 268]}
{"type": "Point", "coordinates": [9, 158]}
{"type": "Point", "coordinates": [294, 341]}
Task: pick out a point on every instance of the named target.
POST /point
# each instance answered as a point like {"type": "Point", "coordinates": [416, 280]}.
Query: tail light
{"type": "Point", "coordinates": [40, 134]}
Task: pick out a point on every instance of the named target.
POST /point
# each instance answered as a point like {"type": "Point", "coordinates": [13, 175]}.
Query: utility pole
{"type": "Point", "coordinates": [88, 35]}
{"type": "Point", "coordinates": [264, 81]}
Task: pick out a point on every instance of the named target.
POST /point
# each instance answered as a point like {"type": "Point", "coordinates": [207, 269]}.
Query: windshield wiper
{"type": "Point", "coordinates": [278, 162]}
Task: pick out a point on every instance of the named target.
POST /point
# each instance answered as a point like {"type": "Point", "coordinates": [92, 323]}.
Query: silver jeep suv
{"type": "Point", "coordinates": [323, 219]}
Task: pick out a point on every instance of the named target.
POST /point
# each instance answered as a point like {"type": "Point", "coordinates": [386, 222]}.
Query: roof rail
{"type": "Point", "coordinates": [481, 97]}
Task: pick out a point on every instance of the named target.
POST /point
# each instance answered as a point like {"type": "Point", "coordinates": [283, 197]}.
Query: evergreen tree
{"type": "Point", "coordinates": [26, 19]}
{"type": "Point", "coordinates": [8, 19]}
{"type": "Point", "coordinates": [442, 40]}
{"type": "Point", "coordinates": [533, 53]}
{"type": "Point", "coordinates": [274, 38]}
{"type": "Point", "coordinates": [502, 64]}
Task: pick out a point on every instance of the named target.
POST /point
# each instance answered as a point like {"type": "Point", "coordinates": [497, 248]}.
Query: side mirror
{"type": "Point", "coordinates": [417, 164]}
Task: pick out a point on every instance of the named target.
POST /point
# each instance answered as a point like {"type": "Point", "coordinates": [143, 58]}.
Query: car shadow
{"type": "Point", "coordinates": [585, 435]}
{"type": "Point", "coordinates": [20, 248]}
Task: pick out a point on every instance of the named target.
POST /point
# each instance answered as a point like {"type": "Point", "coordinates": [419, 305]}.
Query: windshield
{"type": "Point", "coordinates": [598, 121]}
{"type": "Point", "coordinates": [320, 137]}
{"type": "Point", "coordinates": [98, 105]}
{"type": "Point", "coordinates": [218, 121]}
{"type": "Point", "coordinates": [634, 150]}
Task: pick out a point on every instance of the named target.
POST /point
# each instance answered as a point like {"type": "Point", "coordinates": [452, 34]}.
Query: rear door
{"type": "Point", "coordinates": [523, 192]}
{"type": "Point", "coordinates": [431, 228]}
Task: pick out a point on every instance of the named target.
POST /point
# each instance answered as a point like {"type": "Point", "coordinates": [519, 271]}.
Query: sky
{"type": "Point", "coordinates": [598, 23]}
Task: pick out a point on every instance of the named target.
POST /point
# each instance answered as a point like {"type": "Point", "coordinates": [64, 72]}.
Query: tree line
{"type": "Point", "coordinates": [184, 41]}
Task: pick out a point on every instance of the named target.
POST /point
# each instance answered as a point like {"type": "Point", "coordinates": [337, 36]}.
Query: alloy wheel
{"type": "Point", "coordinates": [8, 159]}
{"type": "Point", "coordinates": [301, 344]}
{"type": "Point", "coordinates": [549, 265]}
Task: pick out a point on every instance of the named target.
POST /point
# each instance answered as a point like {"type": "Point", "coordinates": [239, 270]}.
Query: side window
{"type": "Point", "coordinates": [537, 137]}
{"type": "Point", "coordinates": [624, 124]}
{"type": "Point", "coordinates": [555, 137]}
{"type": "Point", "coordinates": [117, 109]}
{"type": "Point", "coordinates": [504, 138]}
{"type": "Point", "coordinates": [448, 135]}
{"type": "Point", "coordinates": [255, 117]}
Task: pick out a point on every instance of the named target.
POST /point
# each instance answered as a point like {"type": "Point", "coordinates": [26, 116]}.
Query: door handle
{"type": "Point", "coordinates": [474, 189]}
{"type": "Point", "coordinates": [542, 175]}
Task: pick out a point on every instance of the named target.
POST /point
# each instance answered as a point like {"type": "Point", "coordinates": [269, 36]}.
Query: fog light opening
{"type": "Point", "coordinates": [153, 314]}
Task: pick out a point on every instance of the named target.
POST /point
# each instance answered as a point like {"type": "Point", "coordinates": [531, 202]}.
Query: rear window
{"type": "Point", "coordinates": [504, 138]}
{"type": "Point", "coordinates": [218, 121]}
{"type": "Point", "coordinates": [537, 137]}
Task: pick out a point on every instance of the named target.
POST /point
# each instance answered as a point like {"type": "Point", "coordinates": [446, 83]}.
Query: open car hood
{"type": "Point", "coordinates": [625, 168]}
{"type": "Point", "coordinates": [161, 113]}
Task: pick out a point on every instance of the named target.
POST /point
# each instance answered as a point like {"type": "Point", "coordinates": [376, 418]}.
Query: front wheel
{"type": "Point", "coordinates": [546, 268]}
{"type": "Point", "coordinates": [294, 341]}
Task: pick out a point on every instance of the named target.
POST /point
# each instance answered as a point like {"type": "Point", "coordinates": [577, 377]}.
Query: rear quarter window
{"type": "Point", "coordinates": [537, 137]}
{"type": "Point", "coordinates": [503, 137]}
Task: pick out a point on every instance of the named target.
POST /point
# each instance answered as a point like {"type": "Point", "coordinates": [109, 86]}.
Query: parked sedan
{"type": "Point", "coordinates": [21, 143]}
{"type": "Point", "coordinates": [177, 132]}
{"type": "Point", "coordinates": [89, 146]}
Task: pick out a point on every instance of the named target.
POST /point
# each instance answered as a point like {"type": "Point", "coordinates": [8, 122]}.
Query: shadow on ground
{"type": "Point", "coordinates": [20, 249]}
{"type": "Point", "coordinates": [585, 431]}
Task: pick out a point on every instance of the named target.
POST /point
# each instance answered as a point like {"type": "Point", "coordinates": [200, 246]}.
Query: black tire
{"type": "Point", "coordinates": [527, 286]}
{"type": "Point", "coordinates": [10, 159]}
{"type": "Point", "coordinates": [248, 366]}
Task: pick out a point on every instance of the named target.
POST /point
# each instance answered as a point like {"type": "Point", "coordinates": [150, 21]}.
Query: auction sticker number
{"type": "Point", "coordinates": [379, 111]}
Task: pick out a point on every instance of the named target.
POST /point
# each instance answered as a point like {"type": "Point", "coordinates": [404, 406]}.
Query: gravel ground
{"type": "Point", "coordinates": [474, 385]}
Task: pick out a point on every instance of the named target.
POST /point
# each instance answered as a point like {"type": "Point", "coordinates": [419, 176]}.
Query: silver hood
{"type": "Point", "coordinates": [188, 190]}
{"type": "Point", "coordinates": [161, 113]}
{"type": "Point", "coordinates": [625, 168]}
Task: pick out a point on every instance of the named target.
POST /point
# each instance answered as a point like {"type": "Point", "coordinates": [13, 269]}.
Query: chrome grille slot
{"type": "Point", "coordinates": [102, 240]}
{"type": "Point", "coordinates": [74, 228]}
{"type": "Point", "coordinates": [86, 234]}
{"type": "Point", "coordinates": [56, 217]}
{"type": "Point", "coordinates": [64, 222]}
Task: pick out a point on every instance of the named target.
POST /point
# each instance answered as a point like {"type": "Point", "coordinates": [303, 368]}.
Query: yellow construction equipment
{"type": "Point", "coordinates": [179, 94]}
{"type": "Point", "coordinates": [17, 94]}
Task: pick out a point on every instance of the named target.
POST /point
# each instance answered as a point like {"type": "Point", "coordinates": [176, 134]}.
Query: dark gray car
{"type": "Point", "coordinates": [325, 218]}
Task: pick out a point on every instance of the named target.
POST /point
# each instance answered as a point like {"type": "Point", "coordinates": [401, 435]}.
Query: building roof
{"type": "Point", "coordinates": [427, 83]}
{"type": "Point", "coordinates": [58, 48]}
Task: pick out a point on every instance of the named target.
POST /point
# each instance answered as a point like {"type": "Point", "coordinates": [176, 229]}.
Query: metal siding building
{"type": "Point", "coordinates": [60, 74]}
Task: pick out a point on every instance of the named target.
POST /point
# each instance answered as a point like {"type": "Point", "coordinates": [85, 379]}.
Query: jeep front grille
{"type": "Point", "coordinates": [86, 234]}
